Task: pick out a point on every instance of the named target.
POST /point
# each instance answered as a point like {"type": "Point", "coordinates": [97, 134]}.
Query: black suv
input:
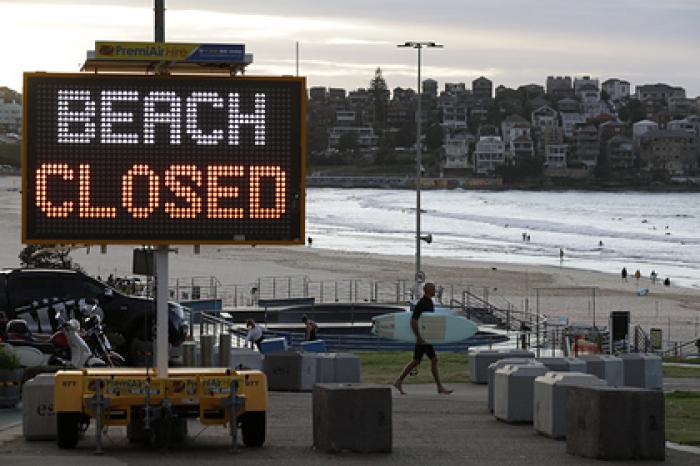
{"type": "Point", "coordinates": [23, 291]}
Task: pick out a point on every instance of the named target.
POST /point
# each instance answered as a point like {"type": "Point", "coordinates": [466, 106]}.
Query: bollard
{"type": "Point", "coordinates": [224, 349]}
{"type": "Point", "coordinates": [206, 343]}
{"type": "Point", "coordinates": [188, 352]}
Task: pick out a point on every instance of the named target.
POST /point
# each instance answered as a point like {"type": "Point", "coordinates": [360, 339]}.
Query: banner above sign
{"type": "Point", "coordinates": [169, 51]}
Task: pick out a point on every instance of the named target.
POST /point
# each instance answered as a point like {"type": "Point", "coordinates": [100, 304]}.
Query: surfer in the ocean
{"type": "Point", "coordinates": [422, 348]}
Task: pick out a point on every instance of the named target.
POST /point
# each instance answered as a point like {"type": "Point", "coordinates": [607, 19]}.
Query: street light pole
{"type": "Point", "coordinates": [419, 156]}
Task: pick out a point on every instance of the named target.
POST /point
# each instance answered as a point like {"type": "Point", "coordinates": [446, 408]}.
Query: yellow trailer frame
{"type": "Point", "coordinates": [110, 396]}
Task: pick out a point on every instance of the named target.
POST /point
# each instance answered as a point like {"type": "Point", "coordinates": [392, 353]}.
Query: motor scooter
{"type": "Point", "coordinates": [96, 337]}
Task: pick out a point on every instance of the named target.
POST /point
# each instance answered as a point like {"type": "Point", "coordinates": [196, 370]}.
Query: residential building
{"type": "Point", "coordinates": [345, 117]}
{"type": "Point", "coordinates": [430, 88]}
{"type": "Point", "coordinates": [456, 153]}
{"type": "Point", "coordinates": [366, 138]}
{"type": "Point", "coordinates": [559, 87]}
{"type": "Point", "coordinates": [612, 128]}
{"type": "Point", "coordinates": [641, 127]}
{"type": "Point", "coordinates": [680, 106]}
{"type": "Point", "coordinates": [521, 147]}
{"type": "Point", "coordinates": [568, 120]}
{"type": "Point", "coordinates": [456, 89]}
{"type": "Point", "coordinates": [584, 81]}
{"type": "Point", "coordinates": [545, 117]}
{"type": "Point", "coordinates": [619, 153]}
{"type": "Point", "coordinates": [672, 152]}
{"type": "Point", "coordinates": [501, 89]}
{"type": "Point", "coordinates": [10, 116]}
{"type": "Point", "coordinates": [681, 125]}
{"type": "Point", "coordinates": [482, 88]}
{"type": "Point", "coordinates": [454, 115]}
{"type": "Point", "coordinates": [532, 91]}
{"type": "Point", "coordinates": [510, 122]}
{"type": "Point", "coordinates": [617, 89]}
{"type": "Point", "coordinates": [490, 153]}
{"type": "Point", "coordinates": [318, 93]}
{"type": "Point", "coordinates": [585, 145]}
{"type": "Point", "coordinates": [568, 105]}
{"type": "Point", "coordinates": [555, 155]}
{"type": "Point", "coordinates": [659, 92]}
{"type": "Point", "coordinates": [403, 95]}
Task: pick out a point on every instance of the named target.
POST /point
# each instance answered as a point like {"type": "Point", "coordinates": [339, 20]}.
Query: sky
{"type": "Point", "coordinates": [341, 43]}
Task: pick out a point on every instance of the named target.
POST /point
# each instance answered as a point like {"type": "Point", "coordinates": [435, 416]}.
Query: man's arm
{"type": "Point", "coordinates": [416, 331]}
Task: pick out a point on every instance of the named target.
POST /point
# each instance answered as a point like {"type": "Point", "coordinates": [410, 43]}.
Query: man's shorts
{"type": "Point", "coordinates": [420, 350]}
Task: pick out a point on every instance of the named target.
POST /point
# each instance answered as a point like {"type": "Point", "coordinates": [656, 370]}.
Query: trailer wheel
{"type": "Point", "coordinates": [67, 429]}
{"type": "Point", "coordinates": [253, 426]}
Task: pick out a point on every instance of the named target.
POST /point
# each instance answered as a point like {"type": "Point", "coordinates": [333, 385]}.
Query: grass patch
{"type": "Point", "coordinates": [385, 367]}
{"type": "Point", "coordinates": [672, 371]}
{"type": "Point", "coordinates": [683, 417]}
{"type": "Point", "coordinates": [682, 360]}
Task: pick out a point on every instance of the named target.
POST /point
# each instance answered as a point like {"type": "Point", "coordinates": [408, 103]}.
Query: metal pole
{"type": "Point", "coordinates": [159, 26]}
{"type": "Point", "coordinates": [162, 311]}
{"type": "Point", "coordinates": [593, 307]}
{"type": "Point", "coordinates": [418, 163]}
{"type": "Point", "coordinates": [297, 57]}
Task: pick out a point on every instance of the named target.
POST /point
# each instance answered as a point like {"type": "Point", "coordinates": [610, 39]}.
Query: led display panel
{"type": "Point", "coordinates": [112, 159]}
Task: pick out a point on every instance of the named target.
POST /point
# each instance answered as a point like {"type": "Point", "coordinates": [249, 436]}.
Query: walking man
{"type": "Point", "coordinates": [422, 348]}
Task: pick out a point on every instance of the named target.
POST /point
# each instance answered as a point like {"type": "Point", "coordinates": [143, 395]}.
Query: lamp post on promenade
{"type": "Point", "coordinates": [419, 45]}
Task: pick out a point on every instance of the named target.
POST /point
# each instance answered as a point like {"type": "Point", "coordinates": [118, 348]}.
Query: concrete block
{"type": "Point", "coordinates": [354, 417]}
{"type": "Point", "coordinates": [564, 364]}
{"type": "Point", "coordinates": [273, 344]}
{"type": "Point", "coordinates": [243, 358]}
{"type": "Point", "coordinates": [497, 365]}
{"type": "Point", "coordinates": [347, 368]}
{"type": "Point", "coordinates": [606, 367]}
{"type": "Point", "coordinates": [206, 350]}
{"type": "Point", "coordinates": [38, 418]}
{"type": "Point", "coordinates": [513, 392]}
{"type": "Point", "coordinates": [620, 423]}
{"type": "Point", "coordinates": [479, 362]}
{"type": "Point", "coordinates": [643, 370]}
{"type": "Point", "coordinates": [325, 367]}
{"type": "Point", "coordinates": [290, 371]}
{"type": "Point", "coordinates": [316, 346]}
{"type": "Point", "coordinates": [549, 401]}
{"type": "Point", "coordinates": [188, 354]}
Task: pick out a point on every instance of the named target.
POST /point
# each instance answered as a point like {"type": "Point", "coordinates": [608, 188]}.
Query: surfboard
{"type": "Point", "coordinates": [434, 328]}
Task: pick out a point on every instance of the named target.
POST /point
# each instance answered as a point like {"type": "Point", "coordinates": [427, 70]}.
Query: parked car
{"type": "Point", "coordinates": [28, 294]}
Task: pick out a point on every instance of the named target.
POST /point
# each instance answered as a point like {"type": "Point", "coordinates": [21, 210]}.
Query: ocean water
{"type": "Point", "coordinates": [645, 231]}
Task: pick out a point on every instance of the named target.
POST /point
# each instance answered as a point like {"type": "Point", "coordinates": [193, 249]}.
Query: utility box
{"type": "Point", "coordinates": [513, 392]}
{"type": "Point", "coordinates": [290, 371]}
{"type": "Point", "coordinates": [549, 401]}
{"type": "Point", "coordinates": [273, 344]}
{"type": "Point", "coordinates": [564, 364]}
{"type": "Point", "coordinates": [479, 362]}
{"type": "Point", "coordinates": [606, 367]}
{"type": "Point", "coordinates": [347, 368]}
{"type": "Point", "coordinates": [355, 417]}
{"type": "Point", "coordinates": [497, 365]}
{"type": "Point", "coordinates": [315, 346]}
{"type": "Point", "coordinates": [38, 418]}
{"type": "Point", "coordinates": [643, 370]}
{"type": "Point", "coordinates": [616, 423]}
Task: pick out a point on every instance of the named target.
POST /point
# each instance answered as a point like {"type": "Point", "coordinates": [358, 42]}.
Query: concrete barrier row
{"type": "Point", "coordinates": [584, 401]}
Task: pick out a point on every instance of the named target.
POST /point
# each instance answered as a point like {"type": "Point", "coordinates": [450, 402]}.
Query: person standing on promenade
{"type": "Point", "coordinates": [422, 348]}
{"type": "Point", "coordinates": [255, 333]}
{"type": "Point", "coordinates": [310, 328]}
{"type": "Point", "coordinates": [637, 275]}
{"type": "Point", "coordinates": [624, 274]}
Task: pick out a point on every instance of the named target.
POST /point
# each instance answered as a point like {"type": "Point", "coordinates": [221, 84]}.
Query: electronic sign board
{"type": "Point", "coordinates": [128, 159]}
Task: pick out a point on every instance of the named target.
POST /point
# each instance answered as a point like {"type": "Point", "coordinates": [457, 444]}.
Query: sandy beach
{"type": "Point", "coordinates": [515, 282]}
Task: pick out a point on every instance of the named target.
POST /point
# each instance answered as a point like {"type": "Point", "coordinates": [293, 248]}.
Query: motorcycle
{"type": "Point", "coordinates": [65, 347]}
{"type": "Point", "coordinates": [96, 337]}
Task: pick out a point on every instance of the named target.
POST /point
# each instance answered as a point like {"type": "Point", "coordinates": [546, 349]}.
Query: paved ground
{"type": "Point", "coordinates": [428, 429]}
